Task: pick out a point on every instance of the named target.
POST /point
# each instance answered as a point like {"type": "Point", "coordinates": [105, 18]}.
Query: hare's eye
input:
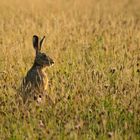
{"type": "Point", "coordinates": [44, 56]}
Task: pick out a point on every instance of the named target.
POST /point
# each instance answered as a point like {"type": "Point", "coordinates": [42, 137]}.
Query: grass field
{"type": "Point", "coordinates": [95, 81]}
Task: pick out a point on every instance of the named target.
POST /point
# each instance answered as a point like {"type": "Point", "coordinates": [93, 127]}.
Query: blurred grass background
{"type": "Point", "coordinates": [96, 76]}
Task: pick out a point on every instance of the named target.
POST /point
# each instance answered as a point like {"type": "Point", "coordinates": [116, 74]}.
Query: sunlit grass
{"type": "Point", "coordinates": [95, 81]}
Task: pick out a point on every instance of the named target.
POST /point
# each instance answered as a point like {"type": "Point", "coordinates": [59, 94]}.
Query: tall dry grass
{"type": "Point", "coordinates": [96, 76]}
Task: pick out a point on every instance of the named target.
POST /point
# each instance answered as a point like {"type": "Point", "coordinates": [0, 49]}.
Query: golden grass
{"type": "Point", "coordinates": [96, 76]}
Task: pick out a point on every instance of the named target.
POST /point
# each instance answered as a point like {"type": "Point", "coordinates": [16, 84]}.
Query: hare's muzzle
{"type": "Point", "coordinates": [51, 62]}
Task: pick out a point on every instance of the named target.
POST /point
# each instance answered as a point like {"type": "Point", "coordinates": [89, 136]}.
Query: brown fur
{"type": "Point", "coordinates": [36, 81]}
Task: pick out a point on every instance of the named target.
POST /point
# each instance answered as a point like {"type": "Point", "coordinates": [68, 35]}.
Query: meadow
{"type": "Point", "coordinates": [95, 82]}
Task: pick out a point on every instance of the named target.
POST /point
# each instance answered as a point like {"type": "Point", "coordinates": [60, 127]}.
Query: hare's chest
{"type": "Point", "coordinates": [44, 80]}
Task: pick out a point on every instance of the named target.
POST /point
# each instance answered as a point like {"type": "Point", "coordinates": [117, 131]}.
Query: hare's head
{"type": "Point", "coordinates": [41, 59]}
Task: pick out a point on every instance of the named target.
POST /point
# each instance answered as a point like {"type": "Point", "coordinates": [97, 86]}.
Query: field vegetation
{"type": "Point", "coordinates": [95, 82]}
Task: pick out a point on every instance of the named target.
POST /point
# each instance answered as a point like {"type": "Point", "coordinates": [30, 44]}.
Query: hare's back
{"type": "Point", "coordinates": [32, 77]}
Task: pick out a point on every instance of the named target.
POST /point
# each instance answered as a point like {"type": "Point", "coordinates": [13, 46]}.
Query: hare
{"type": "Point", "coordinates": [35, 83]}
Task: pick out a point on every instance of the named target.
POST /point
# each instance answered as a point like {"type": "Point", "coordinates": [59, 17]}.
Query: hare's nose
{"type": "Point", "coordinates": [52, 62]}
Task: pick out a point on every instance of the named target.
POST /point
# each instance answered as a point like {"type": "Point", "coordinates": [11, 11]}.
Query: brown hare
{"type": "Point", "coordinates": [35, 83]}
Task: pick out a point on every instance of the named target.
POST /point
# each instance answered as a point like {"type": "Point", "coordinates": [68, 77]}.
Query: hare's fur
{"type": "Point", "coordinates": [35, 83]}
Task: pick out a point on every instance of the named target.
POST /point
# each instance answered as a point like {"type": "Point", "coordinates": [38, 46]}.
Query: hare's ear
{"type": "Point", "coordinates": [35, 43]}
{"type": "Point", "coordinates": [41, 41]}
